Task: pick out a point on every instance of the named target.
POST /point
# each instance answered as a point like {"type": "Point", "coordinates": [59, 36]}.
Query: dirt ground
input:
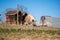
{"type": "Point", "coordinates": [18, 36]}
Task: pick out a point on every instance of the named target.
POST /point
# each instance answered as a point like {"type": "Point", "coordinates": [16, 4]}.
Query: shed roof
{"type": "Point", "coordinates": [11, 12]}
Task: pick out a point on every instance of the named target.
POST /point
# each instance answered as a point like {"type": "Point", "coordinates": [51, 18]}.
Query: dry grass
{"type": "Point", "coordinates": [6, 34]}
{"type": "Point", "coordinates": [18, 32]}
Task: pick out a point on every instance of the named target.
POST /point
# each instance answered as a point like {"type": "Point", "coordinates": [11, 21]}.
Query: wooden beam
{"type": "Point", "coordinates": [17, 16]}
{"type": "Point", "coordinates": [17, 12]}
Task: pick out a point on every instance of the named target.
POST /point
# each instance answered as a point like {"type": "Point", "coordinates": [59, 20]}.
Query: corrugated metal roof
{"type": "Point", "coordinates": [11, 12]}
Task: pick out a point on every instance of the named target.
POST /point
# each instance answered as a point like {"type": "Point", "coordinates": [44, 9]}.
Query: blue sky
{"type": "Point", "coordinates": [37, 8]}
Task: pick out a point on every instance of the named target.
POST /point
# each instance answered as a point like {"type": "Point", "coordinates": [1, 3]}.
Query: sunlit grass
{"type": "Point", "coordinates": [52, 32]}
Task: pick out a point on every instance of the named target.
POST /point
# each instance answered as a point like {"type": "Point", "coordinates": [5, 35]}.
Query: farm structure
{"type": "Point", "coordinates": [50, 21]}
{"type": "Point", "coordinates": [14, 17]}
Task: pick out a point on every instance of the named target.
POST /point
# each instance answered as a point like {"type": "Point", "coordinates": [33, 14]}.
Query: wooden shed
{"type": "Point", "coordinates": [13, 17]}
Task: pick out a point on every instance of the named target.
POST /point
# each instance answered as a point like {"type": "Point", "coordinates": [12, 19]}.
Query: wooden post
{"type": "Point", "coordinates": [17, 12]}
{"type": "Point", "coordinates": [17, 16]}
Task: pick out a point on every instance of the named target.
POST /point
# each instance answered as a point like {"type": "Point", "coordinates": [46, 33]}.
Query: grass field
{"type": "Point", "coordinates": [13, 34]}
